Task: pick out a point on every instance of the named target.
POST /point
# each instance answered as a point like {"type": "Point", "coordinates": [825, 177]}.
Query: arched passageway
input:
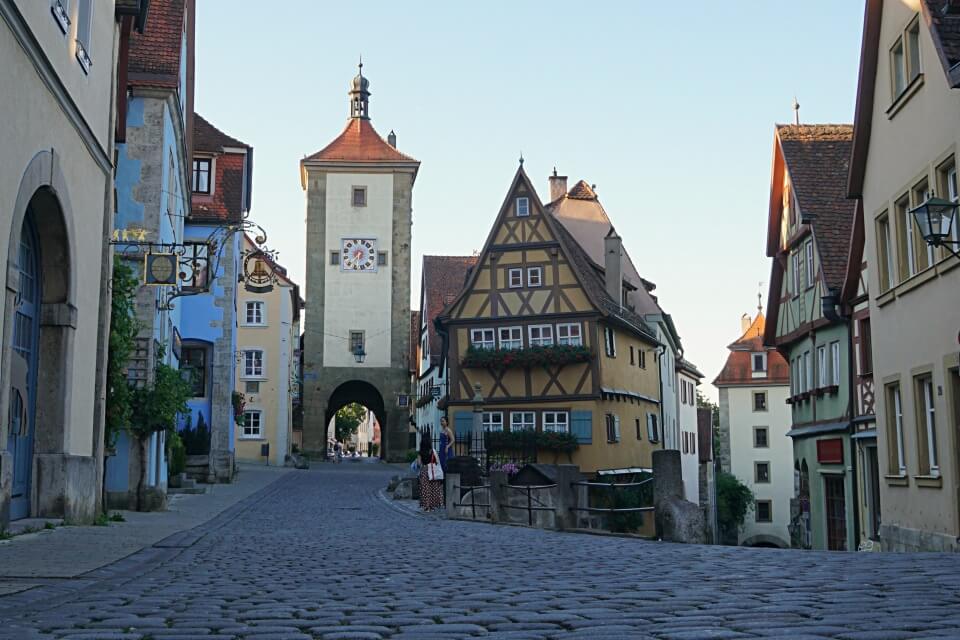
{"type": "Point", "coordinates": [364, 394]}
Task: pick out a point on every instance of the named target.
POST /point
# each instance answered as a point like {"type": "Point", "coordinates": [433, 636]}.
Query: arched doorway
{"type": "Point", "coordinates": [23, 367]}
{"type": "Point", "coordinates": [356, 392]}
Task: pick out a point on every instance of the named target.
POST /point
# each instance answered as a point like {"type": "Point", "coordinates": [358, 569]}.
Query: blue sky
{"type": "Point", "coordinates": [667, 107]}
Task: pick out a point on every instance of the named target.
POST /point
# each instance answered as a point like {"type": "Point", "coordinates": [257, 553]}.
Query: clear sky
{"type": "Point", "coordinates": [668, 107]}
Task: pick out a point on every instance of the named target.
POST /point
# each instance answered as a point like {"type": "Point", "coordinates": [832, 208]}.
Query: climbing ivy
{"type": "Point", "coordinates": [124, 328]}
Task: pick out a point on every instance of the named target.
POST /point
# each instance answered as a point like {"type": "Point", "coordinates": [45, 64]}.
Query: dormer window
{"type": "Point", "coordinates": [201, 175]}
{"type": "Point", "coordinates": [759, 362]}
{"type": "Point", "coordinates": [905, 59]}
{"type": "Point", "coordinates": [523, 207]}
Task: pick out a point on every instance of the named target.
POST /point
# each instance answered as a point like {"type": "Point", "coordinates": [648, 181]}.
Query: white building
{"type": "Point", "coordinates": [688, 378]}
{"type": "Point", "coordinates": [754, 419]}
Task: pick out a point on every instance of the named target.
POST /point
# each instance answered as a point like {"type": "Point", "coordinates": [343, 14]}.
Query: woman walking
{"type": "Point", "coordinates": [431, 491]}
{"type": "Point", "coordinates": [447, 438]}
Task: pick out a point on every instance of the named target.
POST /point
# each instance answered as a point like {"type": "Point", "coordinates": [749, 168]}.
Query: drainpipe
{"type": "Point", "coordinates": [662, 349]}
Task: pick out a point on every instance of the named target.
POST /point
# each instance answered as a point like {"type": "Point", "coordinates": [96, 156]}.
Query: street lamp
{"type": "Point", "coordinates": [936, 217]}
{"type": "Point", "coordinates": [359, 354]}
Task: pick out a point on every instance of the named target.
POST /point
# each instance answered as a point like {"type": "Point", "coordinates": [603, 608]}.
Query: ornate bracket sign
{"type": "Point", "coordinates": [259, 274]}
{"type": "Point", "coordinates": [160, 269]}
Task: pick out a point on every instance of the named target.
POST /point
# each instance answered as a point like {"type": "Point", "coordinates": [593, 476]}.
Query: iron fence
{"type": "Point", "coordinates": [480, 447]}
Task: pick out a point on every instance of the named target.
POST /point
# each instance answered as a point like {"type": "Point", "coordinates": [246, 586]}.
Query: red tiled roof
{"type": "Point", "coordinates": [414, 341]}
{"type": "Point", "coordinates": [817, 157]}
{"type": "Point", "coordinates": [443, 278]}
{"type": "Point", "coordinates": [738, 370]}
{"type": "Point", "coordinates": [155, 54]}
{"type": "Point", "coordinates": [945, 29]}
{"type": "Point", "coordinates": [360, 142]}
{"type": "Point", "coordinates": [582, 191]}
{"type": "Point", "coordinates": [207, 137]}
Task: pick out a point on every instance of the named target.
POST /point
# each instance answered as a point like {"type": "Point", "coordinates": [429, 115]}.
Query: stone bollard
{"type": "Point", "coordinates": [499, 496]}
{"type": "Point", "coordinates": [676, 519]}
{"type": "Point", "coordinates": [451, 493]}
{"type": "Point", "coordinates": [567, 496]}
{"type": "Point", "coordinates": [667, 475]}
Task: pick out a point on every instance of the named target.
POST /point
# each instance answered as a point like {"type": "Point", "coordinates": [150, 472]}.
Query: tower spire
{"type": "Point", "coordinates": [796, 111]}
{"type": "Point", "coordinates": [759, 298]}
{"type": "Point", "coordinates": [360, 95]}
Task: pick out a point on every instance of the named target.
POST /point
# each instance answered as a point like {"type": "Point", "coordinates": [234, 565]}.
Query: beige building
{"type": "Point", "coordinates": [56, 208]}
{"type": "Point", "coordinates": [906, 135]}
{"type": "Point", "coordinates": [267, 337]}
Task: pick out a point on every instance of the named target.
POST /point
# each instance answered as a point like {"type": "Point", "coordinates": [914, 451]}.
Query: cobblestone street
{"type": "Point", "coordinates": [319, 554]}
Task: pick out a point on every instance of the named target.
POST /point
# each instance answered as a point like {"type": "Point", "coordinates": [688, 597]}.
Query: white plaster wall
{"type": "Point", "coordinates": [779, 454]}
{"type": "Point", "coordinates": [284, 422]}
{"type": "Point", "coordinates": [33, 121]}
{"type": "Point", "coordinates": [358, 301]}
{"type": "Point", "coordinates": [689, 462]}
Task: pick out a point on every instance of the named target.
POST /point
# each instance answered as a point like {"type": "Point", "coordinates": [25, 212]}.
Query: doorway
{"type": "Point", "coordinates": [23, 365]}
{"type": "Point", "coordinates": [873, 491]}
{"type": "Point", "coordinates": [836, 511]}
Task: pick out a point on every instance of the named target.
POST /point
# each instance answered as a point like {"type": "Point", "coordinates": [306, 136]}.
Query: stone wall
{"type": "Point", "coordinates": [897, 538]}
{"type": "Point", "coordinates": [723, 446]}
{"type": "Point", "coordinates": [222, 368]}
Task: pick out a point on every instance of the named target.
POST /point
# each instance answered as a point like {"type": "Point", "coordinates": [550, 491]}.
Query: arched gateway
{"type": "Point", "coordinates": [357, 315]}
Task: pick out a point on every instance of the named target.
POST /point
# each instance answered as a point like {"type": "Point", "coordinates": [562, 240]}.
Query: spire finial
{"type": "Point", "coordinates": [796, 111]}
{"type": "Point", "coordinates": [360, 66]}
{"type": "Point", "coordinates": [521, 158]}
{"type": "Point", "coordinates": [759, 298]}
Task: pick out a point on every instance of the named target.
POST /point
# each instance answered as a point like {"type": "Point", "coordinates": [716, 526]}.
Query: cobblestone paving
{"type": "Point", "coordinates": [318, 555]}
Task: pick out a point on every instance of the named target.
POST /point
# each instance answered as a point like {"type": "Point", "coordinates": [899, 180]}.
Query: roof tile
{"type": "Point", "coordinates": [360, 142]}
{"type": "Point", "coordinates": [156, 51]}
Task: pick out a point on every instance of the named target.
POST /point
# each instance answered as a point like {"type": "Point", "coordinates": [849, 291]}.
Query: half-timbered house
{"type": "Point", "coordinates": [544, 331]}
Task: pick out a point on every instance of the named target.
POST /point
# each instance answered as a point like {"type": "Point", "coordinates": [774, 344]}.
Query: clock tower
{"type": "Point", "coordinates": [357, 319]}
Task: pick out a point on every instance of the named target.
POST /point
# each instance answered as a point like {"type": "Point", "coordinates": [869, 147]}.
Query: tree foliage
{"type": "Point", "coordinates": [156, 406]}
{"type": "Point", "coordinates": [124, 328]}
{"type": "Point", "coordinates": [734, 500]}
{"type": "Point", "coordinates": [348, 420]}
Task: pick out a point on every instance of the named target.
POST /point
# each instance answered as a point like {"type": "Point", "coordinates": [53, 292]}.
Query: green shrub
{"type": "Point", "coordinates": [177, 454]}
{"type": "Point", "coordinates": [411, 455]}
{"type": "Point", "coordinates": [734, 500]}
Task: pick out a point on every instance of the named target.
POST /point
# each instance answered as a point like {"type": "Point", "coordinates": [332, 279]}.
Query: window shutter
{"type": "Point", "coordinates": [650, 428]}
{"type": "Point", "coordinates": [616, 428]}
{"type": "Point", "coordinates": [463, 423]}
{"type": "Point", "coordinates": [581, 425]}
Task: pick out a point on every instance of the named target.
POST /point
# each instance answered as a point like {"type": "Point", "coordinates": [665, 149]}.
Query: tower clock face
{"type": "Point", "coordinates": [358, 254]}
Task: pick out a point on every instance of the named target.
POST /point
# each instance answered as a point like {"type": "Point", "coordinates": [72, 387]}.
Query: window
{"type": "Point", "coordinates": [201, 175]}
{"type": "Point", "coordinates": [251, 386]}
{"type": "Point", "coordinates": [809, 249]}
{"type": "Point", "coordinates": [193, 364]}
{"type": "Point", "coordinates": [866, 347]}
{"type": "Point", "coordinates": [639, 429]}
{"type": "Point", "coordinates": [761, 437]}
{"type": "Point", "coordinates": [898, 68]}
{"type": "Point", "coordinates": [523, 207]}
{"type": "Point", "coordinates": [947, 187]}
{"type": "Point", "coordinates": [761, 472]}
{"type": "Point", "coordinates": [610, 342]}
{"type": "Point", "coordinates": [61, 13]}
{"type": "Point", "coordinates": [905, 242]}
{"type": "Point", "coordinates": [194, 264]}
{"type": "Point", "coordinates": [84, 25]}
{"type": "Point", "coordinates": [686, 442]}
{"type": "Point", "coordinates": [631, 354]}
{"type": "Point", "coordinates": [759, 362]}
{"type": "Point", "coordinates": [822, 378]}
{"type": "Point", "coordinates": [642, 357]}
{"type": "Point", "coordinates": [913, 49]}
{"type": "Point", "coordinates": [808, 367]}
{"type": "Point", "coordinates": [381, 258]}
{"type": "Point", "coordinates": [359, 198]}
{"type": "Point", "coordinates": [613, 428]}
{"type": "Point", "coordinates": [569, 334]}
{"type": "Point", "coordinates": [926, 425]}
{"type": "Point", "coordinates": [653, 428]}
{"type": "Point", "coordinates": [252, 424]}
{"type": "Point", "coordinates": [255, 312]}
{"type": "Point", "coordinates": [926, 254]}
{"type": "Point", "coordinates": [515, 278]}
{"type": "Point", "coordinates": [541, 335]}
{"type": "Point", "coordinates": [796, 383]}
{"type": "Point", "coordinates": [795, 258]}
{"type": "Point", "coordinates": [764, 510]}
{"type": "Point", "coordinates": [895, 457]}
{"type": "Point", "coordinates": [835, 363]}
{"type": "Point", "coordinates": [356, 342]}
{"type": "Point", "coordinates": [511, 338]}
{"type": "Point", "coordinates": [693, 442]}
{"type": "Point", "coordinates": [759, 400]}
{"type": "Point", "coordinates": [884, 252]}
{"type": "Point", "coordinates": [535, 277]}
{"type": "Point", "coordinates": [492, 421]}
{"type": "Point", "coordinates": [482, 339]}
{"type": "Point", "coordinates": [523, 421]}
{"type": "Point", "coordinates": [556, 421]}
{"type": "Point", "coordinates": [253, 363]}
{"type": "Point", "coordinates": [335, 258]}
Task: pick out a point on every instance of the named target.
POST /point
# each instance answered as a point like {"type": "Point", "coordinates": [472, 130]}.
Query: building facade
{"type": "Point", "coordinates": [908, 88]}
{"type": "Point", "coordinates": [754, 387]}
{"type": "Point", "coordinates": [357, 318]}
{"type": "Point", "coordinates": [221, 185]}
{"type": "Point", "coordinates": [688, 378]}
{"type": "Point", "coordinates": [541, 330]}
{"type": "Point", "coordinates": [269, 331]}
{"type": "Point", "coordinates": [809, 228]}
{"type": "Point", "coordinates": [56, 213]}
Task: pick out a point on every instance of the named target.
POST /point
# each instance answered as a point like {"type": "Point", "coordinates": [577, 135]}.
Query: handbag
{"type": "Point", "coordinates": [434, 470]}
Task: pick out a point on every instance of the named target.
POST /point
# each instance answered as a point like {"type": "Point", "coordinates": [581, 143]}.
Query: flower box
{"type": "Point", "coordinates": [549, 356]}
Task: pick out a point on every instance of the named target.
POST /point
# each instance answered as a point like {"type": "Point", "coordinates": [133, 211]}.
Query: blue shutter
{"type": "Point", "coordinates": [581, 425]}
{"type": "Point", "coordinates": [462, 423]}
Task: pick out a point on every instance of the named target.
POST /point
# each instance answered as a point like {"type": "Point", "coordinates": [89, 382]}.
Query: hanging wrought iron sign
{"type": "Point", "coordinates": [160, 269]}
{"type": "Point", "coordinates": [259, 273]}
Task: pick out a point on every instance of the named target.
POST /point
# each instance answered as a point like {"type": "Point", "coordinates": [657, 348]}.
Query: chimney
{"type": "Point", "coordinates": [613, 265]}
{"type": "Point", "coordinates": [745, 323]}
{"type": "Point", "coordinates": [392, 139]}
{"type": "Point", "coordinates": [558, 186]}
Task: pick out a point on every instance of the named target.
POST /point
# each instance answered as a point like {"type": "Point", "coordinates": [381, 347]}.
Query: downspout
{"type": "Point", "coordinates": [662, 349]}
{"type": "Point", "coordinates": [833, 311]}
{"type": "Point", "coordinates": [442, 365]}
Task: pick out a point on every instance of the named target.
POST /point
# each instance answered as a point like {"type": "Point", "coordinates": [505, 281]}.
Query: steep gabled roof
{"type": "Point", "coordinates": [817, 158]}
{"type": "Point", "coordinates": [738, 369]}
{"type": "Point", "coordinates": [443, 277]}
{"type": "Point", "coordinates": [752, 338]}
{"type": "Point", "coordinates": [155, 53]}
{"type": "Point", "coordinates": [207, 137]}
{"type": "Point", "coordinates": [360, 142]}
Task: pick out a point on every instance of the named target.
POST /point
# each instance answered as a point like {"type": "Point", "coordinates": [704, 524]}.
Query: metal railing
{"type": "Point", "coordinates": [478, 446]}
{"type": "Point", "coordinates": [473, 496]}
{"type": "Point", "coordinates": [612, 486]}
{"type": "Point", "coordinates": [529, 488]}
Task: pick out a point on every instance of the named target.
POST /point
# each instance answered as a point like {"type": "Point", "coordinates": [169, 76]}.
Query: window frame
{"type": "Point", "coordinates": [356, 338]}
{"type": "Point", "coordinates": [523, 424]}
{"type": "Point", "coordinates": [795, 261]}
{"type": "Point", "coordinates": [808, 255]}
{"type": "Point", "coordinates": [753, 362]}
{"type": "Point", "coordinates": [766, 437]}
{"type": "Point", "coordinates": [898, 68]}
{"type": "Point", "coordinates": [610, 341]}
{"type": "Point", "coordinates": [197, 172]}
{"type": "Point", "coordinates": [61, 14]}
{"type": "Point", "coordinates": [483, 342]}
{"type": "Point", "coordinates": [835, 372]}
{"type": "Point", "coordinates": [808, 368]}
{"type": "Point", "coordinates": [514, 340]}
{"type": "Point", "coordinates": [525, 208]}
{"type": "Point", "coordinates": [641, 357]}
{"type": "Point", "coordinates": [487, 422]}
{"type": "Point", "coordinates": [515, 272]}
{"type": "Point", "coordinates": [358, 189]}
{"type": "Point", "coordinates": [382, 258]}
{"type": "Point", "coordinates": [254, 370]}
{"type": "Point", "coordinates": [186, 363]}
{"type": "Point", "coordinates": [84, 34]}
{"type": "Point", "coordinates": [926, 407]}
{"type": "Point", "coordinates": [823, 373]}
{"type": "Point", "coordinates": [906, 245]}
{"type": "Point", "coordinates": [259, 307]}
{"type": "Point", "coordinates": [947, 186]}
{"type": "Point", "coordinates": [896, 457]}
{"type": "Point", "coordinates": [541, 341]}
{"type": "Point", "coordinates": [653, 427]}
{"type": "Point", "coordinates": [335, 258]}
{"type": "Point", "coordinates": [556, 423]}
{"type": "Point", "coordinates": [530, 279]}
{"type": "Point", "coordinates": [885, 256]}
{"type": "Point", "coordinates": [612, 424]}
{"type": "Point", "coordinates": [769, 504]}
{"type": "Point", "coordinates": [757, 465]}
{"type": "Point", "coordinates": [569, 338]}
{"type": "Point", "coordinates": [245, 427]}
{"type": "Point", "coordinates": [759, 394]}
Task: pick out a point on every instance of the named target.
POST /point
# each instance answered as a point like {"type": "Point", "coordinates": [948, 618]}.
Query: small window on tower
{"type": "Point", "coordinates": [523, 207]}
{"type": "Point", "coordinates": [335, 258]}
{"type": "Point", "coordinates": [359, 196]}
{"type": "Point", "coordinates": [381, 258]}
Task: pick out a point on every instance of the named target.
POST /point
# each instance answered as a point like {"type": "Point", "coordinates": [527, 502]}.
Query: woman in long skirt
{"type": "Point", "coordinates": [431, 491]}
